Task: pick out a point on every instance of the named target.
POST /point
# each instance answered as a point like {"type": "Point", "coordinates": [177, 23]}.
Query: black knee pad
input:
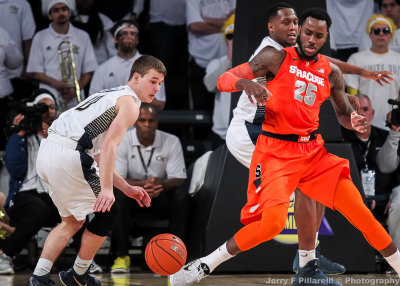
{"type": "Point", "coordinates": [102, 222]}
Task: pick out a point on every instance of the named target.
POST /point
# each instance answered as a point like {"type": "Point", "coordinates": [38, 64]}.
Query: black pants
{"type": "Point", "coordinates": [172, 205]}
{"type": "Point", "coordinates": [30, 212]}
{"type": "Point", "coordinates": [202, 99]}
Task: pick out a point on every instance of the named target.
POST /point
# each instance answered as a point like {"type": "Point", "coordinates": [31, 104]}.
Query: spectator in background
{"type": "Point", "coordinates": [222, 101]}
{"type": "Point", "coordinates": [365, 148]}
{"type": "Point", "coordinates": [388, 161]}
{"type": "Point", "coordinates": [121, 9]}
{"type": "Point", "coordinates": [10, 58]}
{"type": "Point", "coordinates": [204, 20]}
{"type": "Point", "coordinates": [28, 202]}
{"type": "Point", "coordinates": [168, 41]}
{"type": "Point", "coordinates": [379, 58]}
{"type": "Point", "coordinates": [152, 159]}
{"type": "Point", "coordinates": [390, 9]}
{"type": "Point", "coordinates": [98, 26]}
{"type": "Point", "coordinates": [115, 71]}
{"type": "Point", "coordinates": [50, 60]}
{"type": "Point", "coordinates": [17, 19]}
{"type": "Point", "coordinates": [347, 30]}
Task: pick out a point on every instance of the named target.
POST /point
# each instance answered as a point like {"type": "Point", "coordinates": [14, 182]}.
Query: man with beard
{"type": "Point", "coordinates": [289, 125]}
{"type": "Point", "coordinates": [115, 71]}
{"type": "Point", "coordinates": [58, 41]}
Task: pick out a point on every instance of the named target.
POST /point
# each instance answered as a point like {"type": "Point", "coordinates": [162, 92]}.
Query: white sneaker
{"type": "Point", "coordinates": [95, 268]}
{"type": "Point", "coordinates": [192, 272]}
{"type": "Point", "coordinates": [6, 266]}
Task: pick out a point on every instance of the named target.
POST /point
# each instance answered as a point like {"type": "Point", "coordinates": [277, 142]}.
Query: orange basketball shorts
{"type": "Point", "coordinates": [279, 166]}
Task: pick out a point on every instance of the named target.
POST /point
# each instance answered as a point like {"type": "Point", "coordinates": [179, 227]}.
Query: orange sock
{"type": "Point", "coordinates": [349, 203]}
{"type": "Point", "coordinates": [271, 224]}
{"type": "Point", "coordinates": [227, 81]}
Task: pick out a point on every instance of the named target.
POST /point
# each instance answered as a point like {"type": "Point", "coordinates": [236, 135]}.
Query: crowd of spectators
{"type": "Point", "coordinates": [56, 52]}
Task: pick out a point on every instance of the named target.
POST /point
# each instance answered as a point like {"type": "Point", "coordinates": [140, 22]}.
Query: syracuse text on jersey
{"type": "Point", "coordinates": [306, 75]}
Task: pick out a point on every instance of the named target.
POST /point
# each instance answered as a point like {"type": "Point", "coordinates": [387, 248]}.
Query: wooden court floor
{"type": "Point", "coordinates": [133, 279]}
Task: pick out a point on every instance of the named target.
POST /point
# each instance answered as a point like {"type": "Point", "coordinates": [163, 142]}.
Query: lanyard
{"type": "Point", "coordinates": [145, 167]}
{"type": "Point", "coordinates": [366, 153]}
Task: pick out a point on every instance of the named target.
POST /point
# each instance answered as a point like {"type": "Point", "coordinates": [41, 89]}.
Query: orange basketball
{"type": "Point", "coordinates": [165, 254]}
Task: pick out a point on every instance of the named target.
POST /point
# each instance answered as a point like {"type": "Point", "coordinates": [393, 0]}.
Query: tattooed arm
{"type": "Point", "coordinates": [266, 63]}
{"type": "Point", "coordinates": [345, 113]}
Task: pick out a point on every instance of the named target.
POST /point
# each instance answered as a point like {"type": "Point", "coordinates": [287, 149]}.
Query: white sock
{"type": "Point", "coordinates": [394, 261]}
{"type": "Point", "coordinates": [316, 239]}
{"type": "Point", "coordinates": [80, 265]}
{"type": "Point", "coordinates": [215, 258]}
{"type": "Point", "coordinates": [43, 267]}
{"type": "Point", "coordinates": [305, 256]}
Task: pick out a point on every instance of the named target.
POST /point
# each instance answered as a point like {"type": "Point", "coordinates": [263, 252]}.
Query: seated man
{"type": "Point", "coordinates": [152, 159]}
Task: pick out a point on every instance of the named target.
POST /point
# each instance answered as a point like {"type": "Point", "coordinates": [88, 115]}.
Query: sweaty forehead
{"type": "Point", "coordinates": [285, 13]}
{"type": "Point", "coordinates": [315, 24]}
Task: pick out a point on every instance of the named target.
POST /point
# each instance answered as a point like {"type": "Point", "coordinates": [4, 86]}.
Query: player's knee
{"type": "Point", "coordinates": [272, 225]}
{"type": "Point", "coordinates": [102, 223]}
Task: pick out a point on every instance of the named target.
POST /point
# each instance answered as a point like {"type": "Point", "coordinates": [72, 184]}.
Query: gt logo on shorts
{"type": "Point", "coordinates": [258, 171]}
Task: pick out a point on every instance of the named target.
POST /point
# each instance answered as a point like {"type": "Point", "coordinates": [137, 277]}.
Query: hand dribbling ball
{"type": "Point", "coordinates": [165, 254]}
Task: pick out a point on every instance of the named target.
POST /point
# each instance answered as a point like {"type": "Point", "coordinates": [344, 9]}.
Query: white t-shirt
{"type": "Point", "coordinates": [204, 48]}
{"type": "Point", "coordinates": [222, 100]}
{"type": "Point", "coordinates": [163, 159]}
{"type": "Point", "coordinates": [88, 122]}
{"type": "Point", "coordinates": [104, 47]}
{"type": "Point", "coordinates": [115, 72]}
{"type": "Point", "coordinates": [172, 12]}
{"type": "Point", "coordinates": [379, 95]}
{"type": "Point", "coordinates": [17, 19]}
{"type": "Point", "coordinates": [10, 58]}
{"type": "Point", "coordinates": [349, 18]}
{"type": "Point", "coordinates": [44, 56]}
{"type": "Point", "coordinates": [245, 110]}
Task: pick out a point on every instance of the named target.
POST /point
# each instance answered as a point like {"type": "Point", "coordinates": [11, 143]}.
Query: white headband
{"type": "Point", "coordinates": [380, 20]}
{"type": "Point", "coordinates": [123, 26]}
{"type": "Point", "coordinates": [42, 96]}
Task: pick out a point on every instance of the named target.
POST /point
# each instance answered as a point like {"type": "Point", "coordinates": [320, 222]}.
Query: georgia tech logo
{"type": "Point", "coordinates": [289, 233]}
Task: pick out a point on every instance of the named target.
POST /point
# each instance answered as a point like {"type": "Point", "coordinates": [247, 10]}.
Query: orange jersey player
{"type": "Point", "coordinates": [298, 81]}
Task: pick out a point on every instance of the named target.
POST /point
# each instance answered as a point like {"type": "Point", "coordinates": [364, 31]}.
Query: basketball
{"type": "Point", "coordinates": [165, 254]}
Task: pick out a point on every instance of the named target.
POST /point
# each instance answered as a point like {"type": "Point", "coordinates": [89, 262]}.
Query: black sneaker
{"type": "Point", "coordinates": [325, 265]}
{"type": "Point", "coordinates": [310, 275]}
{"type": "Point", "coordinates": [44, 280]}
{"type": "Point", "coordinates": [70, 278]}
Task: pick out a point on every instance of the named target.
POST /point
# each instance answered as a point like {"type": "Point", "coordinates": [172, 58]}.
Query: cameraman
{"type": "Point", "coordinates": [28, 202]}
{"type": "Point", "coordinates": [388, 161]}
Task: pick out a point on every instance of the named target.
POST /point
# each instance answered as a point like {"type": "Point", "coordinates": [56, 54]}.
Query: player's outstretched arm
{"type": "Point", "coordinates": [345, 113]}
{"type": "Point", "coordinates": [379, 76]}
{"type": "Point", "coordinates": [267, 62]}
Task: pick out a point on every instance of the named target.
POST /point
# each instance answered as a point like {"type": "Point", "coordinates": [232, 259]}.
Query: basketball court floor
{"type": "Point", "coordinates": [147, 278]}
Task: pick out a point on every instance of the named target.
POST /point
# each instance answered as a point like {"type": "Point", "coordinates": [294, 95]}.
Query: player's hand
{"type": "Point", "coordinates": [256, 90]}
{"type": "Point", "coordinates": [359, 122]}
{"type": "Point", "coordinates": [378, 76]}
{"type": "Point", "coordinates": [139, 194]}
{"type": "Point", "coordinates": [104, 201]}
{"type": "Point", "coordinates": [354, 102]}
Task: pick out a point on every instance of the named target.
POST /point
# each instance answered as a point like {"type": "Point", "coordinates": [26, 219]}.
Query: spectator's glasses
{"type": "Point", "coordinates": [385, 31]}
{"type": "Point", "coordinates": [126, 33]}
{"type": "Point", "coordinates": [52, 106]}
{"type": "Point", "coordinates": [229, 36]}
{"type": "Point", "coordinates": [58, 9]}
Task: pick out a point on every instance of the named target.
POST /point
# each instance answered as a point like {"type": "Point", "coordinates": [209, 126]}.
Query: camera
{"type": "Point", "coordinates": [32, 121]}
{"type": "Point", "coordinates": [395, 119]}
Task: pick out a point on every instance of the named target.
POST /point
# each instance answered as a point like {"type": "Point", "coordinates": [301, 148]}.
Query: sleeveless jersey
{"type": "Point", "coordinates": [245, 110]}
{"type": "Point", "coordinates": [298, 89]}
{"type": "Point", "coordinates": [88, 122]}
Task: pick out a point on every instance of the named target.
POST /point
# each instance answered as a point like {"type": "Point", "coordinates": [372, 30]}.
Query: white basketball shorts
{"type": "Point", "coordinates": [59, 165]}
